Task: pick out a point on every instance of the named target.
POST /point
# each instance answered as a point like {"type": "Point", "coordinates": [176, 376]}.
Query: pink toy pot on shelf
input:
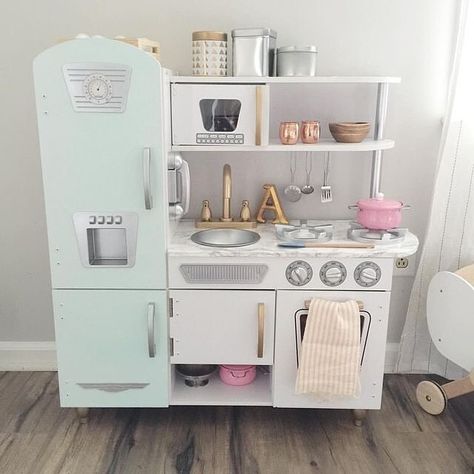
{"type": "Point", "coordinates": [237, 374]}
{"type": "Point", "coordinates": [379, 213]}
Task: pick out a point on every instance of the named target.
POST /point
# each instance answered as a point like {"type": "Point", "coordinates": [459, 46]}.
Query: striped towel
{"type": "Point", "coordinates": [330, 360]}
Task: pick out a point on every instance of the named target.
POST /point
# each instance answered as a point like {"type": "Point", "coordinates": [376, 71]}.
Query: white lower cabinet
{"type": "Point", "coordinates": [222, 327]}
{"type": "Point", "coordinates": [112, 347]}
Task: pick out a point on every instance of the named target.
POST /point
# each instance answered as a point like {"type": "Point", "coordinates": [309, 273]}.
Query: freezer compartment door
{"type": "Point", "coordinates": [112, 348]}
{"type": "Point", "coordinates": [108, 167]}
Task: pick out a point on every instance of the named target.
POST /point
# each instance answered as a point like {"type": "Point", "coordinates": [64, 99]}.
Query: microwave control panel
{"type": "Point", "coordinates": [220, 138]}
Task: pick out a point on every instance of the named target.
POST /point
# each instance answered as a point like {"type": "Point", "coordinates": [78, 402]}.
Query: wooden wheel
{"type": "Point", "coordinates": [431, 397]}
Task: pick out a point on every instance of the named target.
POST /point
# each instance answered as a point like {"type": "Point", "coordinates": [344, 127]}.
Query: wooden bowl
{"type": "Point", "coordinates": [349, 132]}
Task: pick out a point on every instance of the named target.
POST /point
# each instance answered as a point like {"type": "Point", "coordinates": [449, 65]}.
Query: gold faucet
{"type": "Point", "coordinates": [227, 194]}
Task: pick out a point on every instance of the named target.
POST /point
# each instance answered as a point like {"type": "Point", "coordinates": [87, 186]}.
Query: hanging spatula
{"type": "Point", "coordinates": [326, 192]}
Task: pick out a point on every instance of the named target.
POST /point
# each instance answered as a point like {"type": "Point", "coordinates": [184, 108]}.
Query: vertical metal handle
{"type": "Point", "coordinates": [261, 329]}
{"type": "Point", "coordinates": [151, 330]}
{"type": "Point", "coordinates": [147, 177]}
{"type": "Point", "coordinates": [185, 186]}
{"type": "Point", "coordinates": [259, 113]}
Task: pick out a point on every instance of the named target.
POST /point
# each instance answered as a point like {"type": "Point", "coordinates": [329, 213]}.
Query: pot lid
{"type": "Point", "coordinates": [254, 32]}
{"type": "Point", "coordinates": [298, 49]}
{"type": "Point", "coordinates": [379, 202]}
{"type": "Point", "coordinates": [238, 367]}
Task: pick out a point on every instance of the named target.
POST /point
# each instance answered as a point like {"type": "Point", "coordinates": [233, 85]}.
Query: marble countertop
{"type": "Point", "coordinates": [182, 246]}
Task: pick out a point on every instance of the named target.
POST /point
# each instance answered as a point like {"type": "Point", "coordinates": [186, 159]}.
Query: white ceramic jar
{"type": "Point", "coordinates": [209, 53]}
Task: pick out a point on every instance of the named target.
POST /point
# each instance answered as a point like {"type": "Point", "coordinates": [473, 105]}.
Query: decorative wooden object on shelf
{"type": "Point", "coordinates": [145, 44]}
{"type": "Point", "coordinates": [271, 202]}
{"type": "Point", "coordinates": [206, 214]}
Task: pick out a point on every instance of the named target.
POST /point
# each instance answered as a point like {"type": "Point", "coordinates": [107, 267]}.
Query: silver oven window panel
{"type": "Point", "coordinates": [106, 239]}
{"type": "Point", "coordinates": [300, 324]}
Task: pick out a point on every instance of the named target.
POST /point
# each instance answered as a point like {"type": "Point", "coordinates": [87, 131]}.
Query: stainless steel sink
{"type": "Point", "coordinates": [225, 237]}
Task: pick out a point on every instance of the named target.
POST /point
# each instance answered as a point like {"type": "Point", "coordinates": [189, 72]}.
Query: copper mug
{"type": "Point", "coordinates": [289, 132]}
{"type": "Point", "coordinates": [310, 131]}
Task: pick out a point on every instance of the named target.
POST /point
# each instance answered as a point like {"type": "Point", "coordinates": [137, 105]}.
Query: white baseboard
{"type": "Point", "coordinates": [28, 355]}
{"type": "Point", "coordinates": [391, 356]}
{"type": "Point", "coordinates": [38, 356]}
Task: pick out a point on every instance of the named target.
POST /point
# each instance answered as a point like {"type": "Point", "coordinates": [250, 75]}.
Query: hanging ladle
{"type": "Point", "coordinates": [308, 188]}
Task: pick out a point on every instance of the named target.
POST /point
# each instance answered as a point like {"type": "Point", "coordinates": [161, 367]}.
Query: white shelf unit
{"type": "Point", "coordinates": [286, 80]}
{"type": "Point", "coordinates": [377, 145]}
{"type": "Point", "coordinates": [216, 392]}
{"type": "Point", "coordinates": [276, 146]}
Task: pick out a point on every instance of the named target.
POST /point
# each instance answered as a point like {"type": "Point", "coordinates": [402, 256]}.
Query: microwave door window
{"type": "Point", "coordinates": [220, 115]}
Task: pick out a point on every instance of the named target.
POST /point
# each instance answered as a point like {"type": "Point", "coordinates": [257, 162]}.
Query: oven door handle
{"type": "Point", "coordinates": [261, 329]}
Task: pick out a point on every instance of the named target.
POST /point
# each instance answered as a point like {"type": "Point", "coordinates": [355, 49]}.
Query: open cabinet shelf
{"type": "Point", "coordinates": [276, 146]}
{"type": "Point", "coordinates": [216, 392]}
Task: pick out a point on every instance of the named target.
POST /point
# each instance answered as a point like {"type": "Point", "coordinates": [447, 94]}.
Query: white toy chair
{"type": "Point", "coordinates": [450, 315]}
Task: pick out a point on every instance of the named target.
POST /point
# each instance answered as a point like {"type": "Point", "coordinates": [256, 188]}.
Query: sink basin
{"type": "Point", "coordinates": [225, 237]}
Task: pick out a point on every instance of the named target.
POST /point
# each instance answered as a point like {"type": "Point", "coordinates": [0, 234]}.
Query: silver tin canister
{"type": "Point", "coordinates": [253, 52]}
{"type": "Point", "coordinates": [209, 53]}
{"type": "Point", "coordinates": [297, 61]}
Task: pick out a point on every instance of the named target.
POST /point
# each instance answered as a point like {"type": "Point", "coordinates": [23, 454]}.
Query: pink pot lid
{"type": "Point", "coordinates": [237, 367]}
{"type": "Point", "coordinates": [379, 203]}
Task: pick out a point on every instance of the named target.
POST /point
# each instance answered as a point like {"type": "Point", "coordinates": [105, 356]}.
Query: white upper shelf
{"type": "Point", "coordinates": [322, 145]}
{"type": "Point", "coordinates": [287, 80]}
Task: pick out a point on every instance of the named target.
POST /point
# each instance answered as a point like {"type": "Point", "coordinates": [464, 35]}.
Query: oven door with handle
{"type": "Point", "coordinates": [290, 324]}
{"type": "Point", "coordinates": [220, 114]}
{"type": "Point", "coordinates": [301, 317]}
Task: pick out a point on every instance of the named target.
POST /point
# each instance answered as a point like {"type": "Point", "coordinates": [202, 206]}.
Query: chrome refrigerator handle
{"type": "Point", "coordinates": [185, 186]}
{"type": "Point", "coordinates": [147, 177]}
{"type": "Point", "coordinates": [151, 330]}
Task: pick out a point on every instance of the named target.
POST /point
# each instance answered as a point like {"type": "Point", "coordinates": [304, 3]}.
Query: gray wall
{"type": "Point", "coordinates": [405, 38]}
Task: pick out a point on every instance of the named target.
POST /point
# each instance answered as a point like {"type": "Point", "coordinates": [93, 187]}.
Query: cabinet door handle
{"type": "Point", "coordinates": [151, 330]}
{"type": "Point", "coordinates": [261, 329]}
{"type": "Point", "coordinates": [147, 177]}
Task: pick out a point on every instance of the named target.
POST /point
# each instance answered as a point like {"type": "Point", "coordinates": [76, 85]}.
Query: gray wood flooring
{"type": "Point", "coordinates": [36, 436]}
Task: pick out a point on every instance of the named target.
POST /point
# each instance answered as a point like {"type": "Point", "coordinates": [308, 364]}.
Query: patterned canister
{"type": "Point", "coordinates": [209, 53]}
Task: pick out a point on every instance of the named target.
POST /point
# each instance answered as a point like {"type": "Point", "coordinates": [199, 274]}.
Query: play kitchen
{"type": "Point", "coordinates": [154, 310]}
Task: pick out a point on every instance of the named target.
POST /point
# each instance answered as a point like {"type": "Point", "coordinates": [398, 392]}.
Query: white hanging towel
{"type": "Point", "coordinates": [330, 360]}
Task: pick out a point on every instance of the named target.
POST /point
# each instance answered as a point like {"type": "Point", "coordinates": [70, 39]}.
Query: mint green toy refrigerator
{"type": "Point", "coordinates": [100, 106]}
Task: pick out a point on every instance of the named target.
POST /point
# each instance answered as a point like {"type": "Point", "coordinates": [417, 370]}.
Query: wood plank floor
{"type": "Point", "coordinates": [36, 436]}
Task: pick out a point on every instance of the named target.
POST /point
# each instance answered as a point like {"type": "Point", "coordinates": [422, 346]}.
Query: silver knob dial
{"type": "Point", "coordinates": [299, 273]}
{"type": "Point", "coordinates": [333, 273]}
{"type": "Point", "coordinates": [367, 274]}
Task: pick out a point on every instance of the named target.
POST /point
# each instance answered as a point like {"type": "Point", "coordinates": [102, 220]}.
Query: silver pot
{"type": "Point", "coordinates": [196, 375]}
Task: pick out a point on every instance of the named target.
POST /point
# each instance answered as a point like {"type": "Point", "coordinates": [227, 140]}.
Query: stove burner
{"type": "Point", "coordinates": [304, 233]}
{"type": "Point", "coordinates": [381, 237]}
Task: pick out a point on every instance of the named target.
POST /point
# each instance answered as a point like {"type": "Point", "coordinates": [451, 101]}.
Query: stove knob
{"type": "Point", "coordinates": [367, 274]}
{"type": "Point", "coordinates": [333, 273]}
{"type": "Point", "coordinates": [299, 273]}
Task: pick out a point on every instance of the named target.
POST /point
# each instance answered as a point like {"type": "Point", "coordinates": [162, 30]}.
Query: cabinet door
{"type": "Point", "coordinates": [222, 327]}
{"type": "Point", "coordinates": [112, 348]}
{"type": "Point", "coordinates": [95, 164]}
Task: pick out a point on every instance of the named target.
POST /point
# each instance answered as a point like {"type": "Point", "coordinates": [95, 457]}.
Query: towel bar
{"type": "Point", "coordinates": [360, 303]}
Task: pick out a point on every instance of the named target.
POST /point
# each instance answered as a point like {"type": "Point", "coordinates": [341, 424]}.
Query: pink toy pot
{"type": "Point", "coordinates": [237, 374]}
{"type": "Point", "coordinates": [379, 213]}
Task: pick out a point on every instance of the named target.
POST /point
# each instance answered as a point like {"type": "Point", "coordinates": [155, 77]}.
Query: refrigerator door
{"type": "Point", "coordinates": [100, 116]}
{"type": "Point", "coordinates": [112, 347]}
